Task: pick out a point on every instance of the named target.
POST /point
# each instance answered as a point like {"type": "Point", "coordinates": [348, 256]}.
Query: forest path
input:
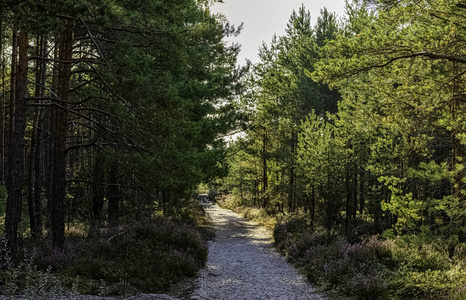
{"type": "Point", "coordinates": [243, 264]}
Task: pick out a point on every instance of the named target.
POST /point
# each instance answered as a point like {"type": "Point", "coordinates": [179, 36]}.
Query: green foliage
{"type": "Point", "coordinates": [400, 82]}
{"type": "Point", "coordinates": [390, 160]}
{"type": "Point", "coordinates": [322, 161]}
{"type": "Point", "coordinates": [264, 171]}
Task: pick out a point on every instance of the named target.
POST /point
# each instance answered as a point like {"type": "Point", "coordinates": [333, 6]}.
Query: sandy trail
{"type": "Point", "coordinates": [243, 264]}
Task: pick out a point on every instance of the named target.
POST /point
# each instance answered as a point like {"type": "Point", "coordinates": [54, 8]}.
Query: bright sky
{"type": "Point", "coordinates": [263, 18]}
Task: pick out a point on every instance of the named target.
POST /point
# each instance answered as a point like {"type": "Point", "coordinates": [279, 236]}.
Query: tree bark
{"type": "Point", "coordinates": [291, 195]}
{"type": "Point", "coordinates": [35, 168]}
{"type": "Point", "coordinates": [16, 162]}
{"type": "Point", "coordinates": [113, 196]}
{"type": "Point", "coordinates": [264, 171]}
{"type": "Point", "coordinates": [11, 104]}
{"type": "Point", "coordinates": [348, 200]}
{"type": "Point", "coordinates": [361, 198]}
{"type": "Point", "coordinates": [2, 104]}
{"type": "Point", "coordinates": [49, 140]}
{"type": "Point", "coordinates": [98, 190]}
{"type": "Point", "coordinates": [58, 192]}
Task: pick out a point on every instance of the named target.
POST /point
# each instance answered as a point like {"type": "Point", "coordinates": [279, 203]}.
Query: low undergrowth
{"type": "Point", "coordinates": [375, 268]}
{"type": "Point", "coordinates": [258, 215]}
{"type": "Point", "coordinates": [146, 256]}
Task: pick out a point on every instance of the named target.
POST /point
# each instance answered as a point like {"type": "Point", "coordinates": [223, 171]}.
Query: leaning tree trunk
{"type": "Point", "coordinates": [16, 162]}
{"type": "Point", "coordinates": [58, 190]}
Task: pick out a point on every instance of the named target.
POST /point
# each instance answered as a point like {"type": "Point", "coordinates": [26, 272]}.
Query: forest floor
{"type": "Point", "coordinates": [243, 264]}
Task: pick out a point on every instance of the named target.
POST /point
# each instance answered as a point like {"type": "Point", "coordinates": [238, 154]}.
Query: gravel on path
{"type": "Point", "coordinates": [243, 264]}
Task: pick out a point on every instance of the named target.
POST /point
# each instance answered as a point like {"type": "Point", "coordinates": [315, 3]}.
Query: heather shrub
{"type": "Point", "coordinates": [367, 286]}
{"type": "Point", "coordinates": [329, 260]}
{"type": "Point", "coordinates": [296, 232]}
{"type": "Point", "coordinates": [24, 278]}
{"type": "Point", "coordinates": [146, 256]}
{"type": "Point", "coordinates": [374, 268]}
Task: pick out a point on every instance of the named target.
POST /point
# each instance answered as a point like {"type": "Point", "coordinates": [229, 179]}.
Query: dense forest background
{"type": "Point", "coordinates": [112, 113]}
{"type": "Point", "coordinates": [356, 128]}
{"type": "Point", "coordinates": [352, 137]}
{"type": "Point", "coordinates": [110, 103]}
{"type": "Point", "coordinates": [360, 121]}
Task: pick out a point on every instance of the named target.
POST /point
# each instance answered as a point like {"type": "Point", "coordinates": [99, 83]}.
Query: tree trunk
{"type": "Point", "coordinates": [39, 146]}
{"type": "Point", "coordinates": [2, 104]}
{"type": "Point", "coordinates": [35, 157]}
{"type": "Point", "coordinates": [98, 190]}
{"type": "Point", "coordinates": [113, 196]}
{"type": "Point", "coordinates": [165, 202]}
{"type": "Point", "coordinates": [354, 192]}
{"type": "Point", "coordinates": [49, 139]}
{"type": "Point", "coordinates": [11, 104]}
{"type": "Point", "coordinates": [291, 195]}
{"type": "Point", "coordinates": [16, 162]}
{"type": "Point", "coordinates": [58, 191]}
{"type": "Point", "coordinates": [313, 207]}
{"type": "Point", "coordinates": [361, 192]}
{"type": "Point", "coordinates": [348, 201]}
{"type": "Point", "coordinates": [264, 172]}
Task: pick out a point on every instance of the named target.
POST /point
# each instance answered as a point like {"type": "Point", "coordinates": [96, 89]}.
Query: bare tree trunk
{"type": "Point", "coordinates": [354, 192]}
{"type": "Point", "coordinates": [49, 139]}
{"type": "Point", "coordinates": [60, 132]}
{"type": "Point", "coordinates": [264, 171]}
{"type": "Point", "coordinates": [313, 206]}
{"type": "Point", "coordinates": [113, 195]}
{"type": "Point", "coordinates": [11, 104]}
{"type": "Point", "coordinates": [361, 198]}
{"type": "Point", "coordinates": [2, 103]}
{"type": "Point", "coordinates": [16, 163]}
{"type": "Point", "coordinates": [291, 196]}
{"type": "Point", "coordinates": [98, 190]}
{"type": "Point", "coordinates": [165, 199]}
{"type": "Point", "coordinates": [348, 200]}
{"type": "Point", "coordinates": [35, 168]}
